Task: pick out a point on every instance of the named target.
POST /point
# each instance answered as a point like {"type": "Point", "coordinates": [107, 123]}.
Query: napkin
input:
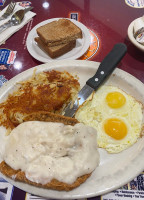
{"type": "Point", "coordinates": [11, 30]}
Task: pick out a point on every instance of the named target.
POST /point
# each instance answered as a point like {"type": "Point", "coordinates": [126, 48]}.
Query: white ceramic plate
{"type": "Point", "coordinates": [131, 36]}
{"type": "Point", "coordinates": [82, 45]}
{"type": "Point", "coordinates": [115, 170]}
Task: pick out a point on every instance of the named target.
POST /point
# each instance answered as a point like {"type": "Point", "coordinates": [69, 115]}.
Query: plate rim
{"type": "Point", "coordinates": [58, 64]}
{"type": "Point", "coordinates": [29, 41]}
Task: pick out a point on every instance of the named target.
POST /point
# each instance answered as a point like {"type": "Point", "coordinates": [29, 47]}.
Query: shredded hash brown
{"type": "Point", "coordinates": [46, 91]}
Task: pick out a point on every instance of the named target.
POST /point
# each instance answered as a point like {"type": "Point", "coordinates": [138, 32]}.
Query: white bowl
{"type": "Point", "coordinates": [131, 36]}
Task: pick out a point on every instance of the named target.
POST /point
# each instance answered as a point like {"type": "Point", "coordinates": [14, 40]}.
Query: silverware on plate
{"type": "Point", "coordinates": [105, 69]}
{"type": "Point", "coordinates": [9, 10]}
{"type": "Point", "coordinates": [16, 19]}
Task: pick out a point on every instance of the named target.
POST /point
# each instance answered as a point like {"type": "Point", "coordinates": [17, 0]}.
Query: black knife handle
{"type": "Point", "coordinates": [108, 65]}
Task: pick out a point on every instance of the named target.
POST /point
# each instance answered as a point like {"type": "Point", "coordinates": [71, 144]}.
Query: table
{"type": "Point", "coordinates": [107, 22]}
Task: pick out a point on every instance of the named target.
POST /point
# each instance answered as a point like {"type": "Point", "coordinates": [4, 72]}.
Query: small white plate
{"type": "Point", "coordinates": [115, 170]}
{"type": "Point", "coordinates": [131, 35]}
{"type": "Point", "coordinates": [82, 45]}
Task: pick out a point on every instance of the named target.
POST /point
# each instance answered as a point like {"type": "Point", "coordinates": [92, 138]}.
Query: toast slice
{"type": "Point", "coordinates": [59, 32]}
{"type": "Point", "coordinates": [19, 175]}
{"type": "Point", "coordinates": [56, 51]}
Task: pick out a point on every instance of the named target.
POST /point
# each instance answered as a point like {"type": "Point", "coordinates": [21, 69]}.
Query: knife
{"type": "Point", "coordinates": [105, 69]}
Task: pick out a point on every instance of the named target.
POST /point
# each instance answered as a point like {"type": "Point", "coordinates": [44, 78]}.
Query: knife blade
{"type": "Point", "coordinates": [106, 67]}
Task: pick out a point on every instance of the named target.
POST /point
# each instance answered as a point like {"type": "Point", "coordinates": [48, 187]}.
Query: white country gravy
{"type": "Point", "coordinates": [47, 150]}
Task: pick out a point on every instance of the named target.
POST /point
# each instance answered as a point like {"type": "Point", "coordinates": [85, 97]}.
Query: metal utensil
{"type": "Point", "coordinates": [105, 69]}
{"type": "Point", "coordinates": [9, 10]}
{"type": "Point", "coordinates": [16, 19]}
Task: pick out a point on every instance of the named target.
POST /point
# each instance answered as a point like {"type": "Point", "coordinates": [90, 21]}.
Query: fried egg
{"type": "Point", "coordinates": [116, 115]}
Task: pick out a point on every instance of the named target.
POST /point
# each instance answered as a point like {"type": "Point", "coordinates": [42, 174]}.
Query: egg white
{"type": "Point", "coordinates": [95, 111]}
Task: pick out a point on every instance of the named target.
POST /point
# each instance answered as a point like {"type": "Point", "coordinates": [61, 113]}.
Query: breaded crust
{"type": "Point", "coordinates": [18, 175]}
{"type": "Point", "coordinates": [54, 184]}
{"type": "Point", "coordinates": [47, 117]}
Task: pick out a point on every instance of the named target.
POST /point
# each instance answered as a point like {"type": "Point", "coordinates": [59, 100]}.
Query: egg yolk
{"type": "Point", "coordinates": [115, 99]}
{"type": "Point", "coordinates": [115, 128]}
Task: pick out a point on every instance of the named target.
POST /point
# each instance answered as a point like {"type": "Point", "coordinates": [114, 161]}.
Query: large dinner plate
{"type": "Point", "coordinates": [82, 45]}
{"type": "Point", "coordinates": [115, 170]}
